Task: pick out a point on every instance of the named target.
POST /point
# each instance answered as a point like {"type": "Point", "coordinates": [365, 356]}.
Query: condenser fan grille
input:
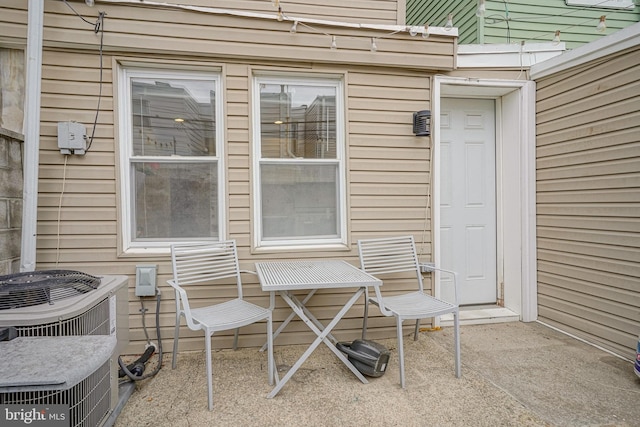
{"type": "Point", "coordinates": [43, 287]}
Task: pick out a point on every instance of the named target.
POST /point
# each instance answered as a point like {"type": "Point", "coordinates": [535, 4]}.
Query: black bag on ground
{"type": "Point", "coordinates": [368, 357]}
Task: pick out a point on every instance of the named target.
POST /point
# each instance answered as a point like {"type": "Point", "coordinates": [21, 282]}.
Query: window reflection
{"type": "Point", "coordinates": [298, 121]}
{"type": "Point", "coordinates": [172, 117]}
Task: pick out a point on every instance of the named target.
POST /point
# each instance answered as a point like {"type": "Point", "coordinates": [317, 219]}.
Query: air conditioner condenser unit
{"type": "Point", "coordinates": [71, 327]}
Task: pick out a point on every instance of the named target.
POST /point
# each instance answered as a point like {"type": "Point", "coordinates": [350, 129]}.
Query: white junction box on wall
{"type": "Point", "coordinates": [146, 280]}
{"type": "Point", "coordinates": [72, 138]}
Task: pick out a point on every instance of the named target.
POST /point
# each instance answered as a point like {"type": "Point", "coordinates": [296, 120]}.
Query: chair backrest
{"type": "Point", "coordinates": [389, 255]}
{"type": "Point", "coordinates": [205, 262]}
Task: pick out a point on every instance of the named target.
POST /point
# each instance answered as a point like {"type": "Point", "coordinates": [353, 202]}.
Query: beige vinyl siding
{"type": "Point", "coordinates": [387, 167]}
{"type": "Point", "coordinates": [13, 22]}
{"type": "Point", "coordinates": [219, 35]}
{"type": "Point", "coordinates": [389, 180]}
{"type": "Point", "coordinates": [359, 11]}
{"type": "Point", "coordinates": [85, 225]}
{"type": "Point", "coordinates": [588, 201]}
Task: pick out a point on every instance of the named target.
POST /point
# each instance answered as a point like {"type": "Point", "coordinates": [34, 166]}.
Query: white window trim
{"type": "Point", "coordinates": [125, 73]}
{"type": "Point", "coordinates": [339, 242]}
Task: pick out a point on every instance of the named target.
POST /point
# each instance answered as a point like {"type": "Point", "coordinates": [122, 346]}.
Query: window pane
{"type": "Point", "coordinates": [299, 201]}
{"type": "Point", "coordinates": [298, 121]}
{"type": "Point", "coordinates": [175, 200]}
{"type": "Point", "coordinates": [173, 117]}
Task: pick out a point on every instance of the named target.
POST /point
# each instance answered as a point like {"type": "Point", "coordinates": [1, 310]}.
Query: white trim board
{"type": "Point", "coordinates": [479, 316]}
{"type": "Point", "coordinates": [506, 55]}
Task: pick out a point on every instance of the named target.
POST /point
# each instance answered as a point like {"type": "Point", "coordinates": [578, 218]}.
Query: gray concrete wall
{"type": "Point", "coordinates": [12, 75]}
{"type": "Point", "coordinates": [12, 64]}
{"type": "Point", "coordinates": [11, 184]}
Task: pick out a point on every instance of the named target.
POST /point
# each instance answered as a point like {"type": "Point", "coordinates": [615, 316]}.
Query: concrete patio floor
{"type": "Point", "coordinates": [513, 374]}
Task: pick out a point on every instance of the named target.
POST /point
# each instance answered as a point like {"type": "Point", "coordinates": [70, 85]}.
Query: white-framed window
{"type": "Point", "coordinates": [171, 134]}
{"type": "Point", "coordinates": [299, 161]}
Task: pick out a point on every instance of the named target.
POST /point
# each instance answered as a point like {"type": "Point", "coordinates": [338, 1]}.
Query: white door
{"type": "Point", "coordinates": [468, 198]}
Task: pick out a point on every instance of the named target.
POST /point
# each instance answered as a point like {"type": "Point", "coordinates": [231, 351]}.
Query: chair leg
{"type": "Point", "coordinates": [364, 319]}
{"type": "Point", "coordinates": [176, 335]}
{"type": "Point", "coordinates": [235, 338]}
{"type": "Point", "coordinates": [400, 351]}
{"type": "Point", "coordinates": [207, 346]}
{"type": "Point", "coordinates": [417, 330]}
{"type": "Point", "coordinates": [456, 342]}
{"type": "Point", "coordinates": [270, 350]}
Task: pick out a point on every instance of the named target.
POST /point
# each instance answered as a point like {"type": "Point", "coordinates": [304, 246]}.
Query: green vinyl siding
{"type": "Point", "coordinates": [517, 20]}
{"type": "Point", "coordinates": [435, 13]}
{"type": "Point", "coordinates": [539, 21]}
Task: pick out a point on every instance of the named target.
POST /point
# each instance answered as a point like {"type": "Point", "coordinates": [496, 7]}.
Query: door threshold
{"type": "Point", "coordinates": [478, 315]}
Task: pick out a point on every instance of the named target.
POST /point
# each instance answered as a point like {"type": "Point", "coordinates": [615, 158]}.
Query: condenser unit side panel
{"type": "Point", "coordinates": [76, 371]}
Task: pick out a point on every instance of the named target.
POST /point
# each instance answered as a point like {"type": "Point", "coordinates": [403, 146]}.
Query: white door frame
{"type": "Point", "coordinates": [515, 175]}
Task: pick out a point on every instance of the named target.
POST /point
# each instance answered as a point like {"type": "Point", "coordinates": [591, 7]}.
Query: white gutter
{"type": "Point", "coordinates": [31, 135]}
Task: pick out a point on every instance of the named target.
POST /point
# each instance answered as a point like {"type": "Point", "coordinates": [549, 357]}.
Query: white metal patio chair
{"type": "Point", "coordinates": [379, 257]}
{"type": "Point", "coordinates": [203, 263]}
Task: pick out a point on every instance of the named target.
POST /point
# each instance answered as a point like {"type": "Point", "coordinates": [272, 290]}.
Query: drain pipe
{"type": "Point", "coordinates": [32, 135]}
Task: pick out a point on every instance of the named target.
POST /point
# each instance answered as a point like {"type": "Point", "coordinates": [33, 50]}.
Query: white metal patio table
{"type": "Point", "coordinates": [284, 277]}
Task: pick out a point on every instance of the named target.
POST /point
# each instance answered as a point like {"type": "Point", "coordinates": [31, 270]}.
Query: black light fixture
{"type": "Point", "coordinates": [422, 123]}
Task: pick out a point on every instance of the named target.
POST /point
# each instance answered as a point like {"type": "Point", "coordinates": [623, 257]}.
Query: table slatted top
{"type": "Point", "coordinates": [292, 275]}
